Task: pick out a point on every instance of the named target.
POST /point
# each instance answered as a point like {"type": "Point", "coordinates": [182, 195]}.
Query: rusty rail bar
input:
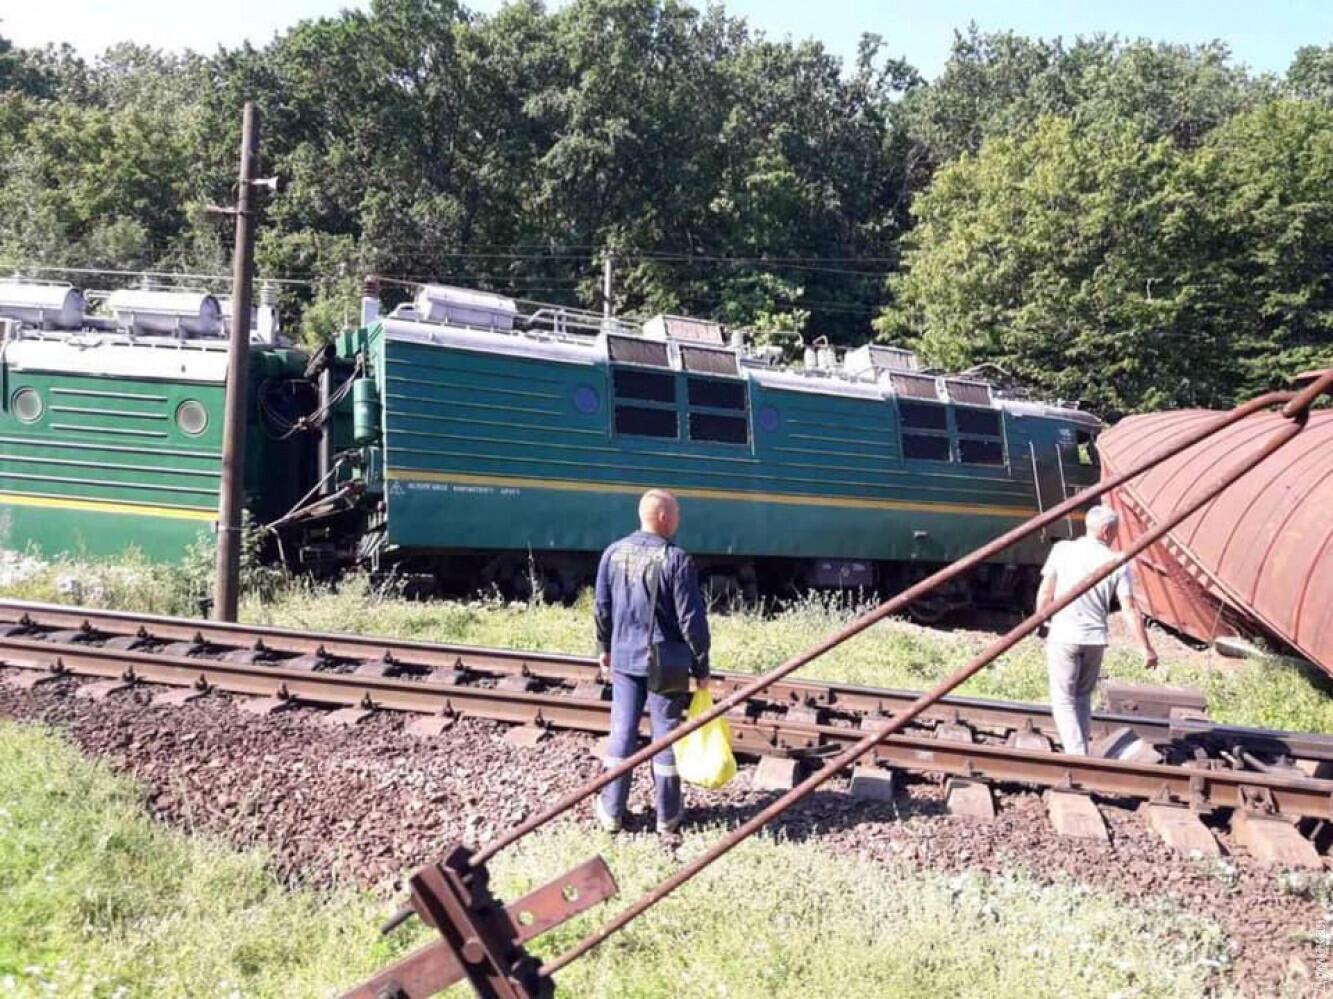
{"type": "Point", "coordinates": [984, 714]}
{"type": "Point", "coordinates": [1320, 385]}
{"type": "Point", "coordinates": [1292, 796]}
{"type": "Point", "coordinates": [888, 608]}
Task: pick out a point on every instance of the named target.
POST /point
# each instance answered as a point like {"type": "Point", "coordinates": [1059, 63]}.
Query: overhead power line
{"type": "Point", "coordinates": [174, 275]}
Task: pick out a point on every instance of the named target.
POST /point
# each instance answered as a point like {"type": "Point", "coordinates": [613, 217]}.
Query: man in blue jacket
{"type": "Point", "coordinates": [652, 636]}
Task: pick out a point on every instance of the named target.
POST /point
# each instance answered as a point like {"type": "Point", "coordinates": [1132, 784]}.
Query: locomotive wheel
{"type": "Point", "coordinates": [929, 610]}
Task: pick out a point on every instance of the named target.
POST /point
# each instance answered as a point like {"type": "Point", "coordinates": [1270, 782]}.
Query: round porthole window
{"type": "Point", "coordinates": [27, 405]}
{"type": "Point", "coordinates": [586, 400]}
{"type": "Point", "coordinates": [191, 417]}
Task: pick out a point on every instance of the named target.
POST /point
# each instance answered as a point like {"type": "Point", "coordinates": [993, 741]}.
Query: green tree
{"type": "Point", "coordinates": [1310, 75]}
{"type": "Point", "coordinates": [1262, 264]}
{"type": "Point", "coordinates": [1000, 84]}
{"type": "Point", "coordinates": [1051, 256]}
{"type": "Point", "coordinates": [1095, 264]}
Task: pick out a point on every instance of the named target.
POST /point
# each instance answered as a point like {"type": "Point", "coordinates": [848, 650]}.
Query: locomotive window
{"type": "Point", "coordinates": [923, 415]}
{"type": "Point", "coordinates": [1087, 453]}
{"type": "Point", "coordinates": [646, 385]}
{"type": "Point", "coordinates": [714, 427]}
{"type": "Point", "coordinates": [979, 452]}
{"type": "Point", "coordinates": [638, 421]}
{"type": "Point", "coordinates": [926, 446]}
{"type": "Point", "coordinates": [716, 395]}
{"type": "Point", "coordinates": [983, 422]}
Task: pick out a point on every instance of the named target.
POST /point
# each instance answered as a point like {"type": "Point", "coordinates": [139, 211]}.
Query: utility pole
{"type": "Point", "coordinates": [226, 584]}
{"type": "Point", "coordinates": [606, 285]}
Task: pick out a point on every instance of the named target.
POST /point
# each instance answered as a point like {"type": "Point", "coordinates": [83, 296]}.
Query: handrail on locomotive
{"type": "Point", "coordinates": [483, 941]}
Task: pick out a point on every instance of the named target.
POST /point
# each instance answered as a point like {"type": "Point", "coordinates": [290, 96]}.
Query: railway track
{"type": "Point", "coordinates": [1163, 752]}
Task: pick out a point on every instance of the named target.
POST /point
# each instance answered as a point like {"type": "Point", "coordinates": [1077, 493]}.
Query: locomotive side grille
{"type": "Point", "coordinates": [914, 386]}
{"type": "Point", "coordinates": [633, 350]}
{"type": "Point", "coordinates": [709, 362]}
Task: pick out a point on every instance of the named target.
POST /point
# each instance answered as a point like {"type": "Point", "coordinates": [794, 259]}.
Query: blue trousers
{"type": "Point", "coordinates": [629, 695]}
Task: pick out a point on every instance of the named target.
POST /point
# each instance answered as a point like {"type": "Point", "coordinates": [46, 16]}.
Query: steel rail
{"type": "Point", "coordinates": [343, 646]}
{"type": "Point", "coordinates": [884, 610]}
{"type": "Point", "coordinates": [1320, 385]}
{"type": "Point", "coordinates": [1297, 797]}
{"type": "Point", "coordinates": [982, 714]}
{"type": "Point", "coordinates": [303, 685]}
{"type": "Point", "coordinates": [1204, 789]}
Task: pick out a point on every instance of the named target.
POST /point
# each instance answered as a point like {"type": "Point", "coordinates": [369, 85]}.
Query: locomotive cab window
{"type": "Point", "coordinates": [980, 435]}
{"type": "Point", "coordinates": [719, 411]}
{"type": "Point", "coordinates": [1086, 449]}
{"type": "Point", "coordinates": [645, 403]}
{"type": "Point", "coordinates": [925, 430]}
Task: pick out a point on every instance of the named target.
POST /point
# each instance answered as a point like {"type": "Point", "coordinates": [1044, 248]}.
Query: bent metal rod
{"type": "Point", "coordinates": [1295, 406]}
{"type": "Point", "coordinates": [472, 926]}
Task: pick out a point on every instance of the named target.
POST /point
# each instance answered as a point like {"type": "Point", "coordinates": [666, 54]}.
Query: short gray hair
{"type": "Point", "coordinates": [1100, 516]}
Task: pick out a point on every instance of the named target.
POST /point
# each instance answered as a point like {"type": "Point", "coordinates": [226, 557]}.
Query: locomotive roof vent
{"type": "Point", "coordinates": [968, 391]}
{"type": "Point", "coordinates": [440, 303]}
{"type": "Point", "coordinates": [915, 386]}
{"type": "Point", "coordinates": [42, 304]}
{"type": "Point", "coordinates": [169, 313]}
{"type": "Point", "coordinates": [263, 316]}
{"type": "Point", "coordinates": [869, 361]}
{"type": "Point", "coordinates": [686, 329]}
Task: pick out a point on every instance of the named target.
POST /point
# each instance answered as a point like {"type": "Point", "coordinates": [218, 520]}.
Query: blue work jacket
{"type": "Point", "coordinates": [625, 628]}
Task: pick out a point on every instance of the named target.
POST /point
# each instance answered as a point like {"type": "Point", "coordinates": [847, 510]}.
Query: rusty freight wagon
{"type": "Point", "coordinates": [1257, 560]}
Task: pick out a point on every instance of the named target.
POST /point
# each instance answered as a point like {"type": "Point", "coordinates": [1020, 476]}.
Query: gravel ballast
{"type": "Point", "coordinates": [370, 802]}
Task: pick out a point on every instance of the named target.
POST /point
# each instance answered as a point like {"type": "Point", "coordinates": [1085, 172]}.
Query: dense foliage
{"type": "Point", "coordinates": [1130, 224]}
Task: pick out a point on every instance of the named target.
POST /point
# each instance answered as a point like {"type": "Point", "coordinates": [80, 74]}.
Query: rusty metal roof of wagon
{"type": "Point", "coordinates": [1264, 547]}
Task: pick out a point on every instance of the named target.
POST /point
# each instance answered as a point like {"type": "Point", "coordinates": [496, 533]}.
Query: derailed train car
{"type": "Point", "coordinates": [458, 441]}
{"type": "Point", "coordinates": [1258, 560]}
{"type": "Point", "coordinates": [507, 446]}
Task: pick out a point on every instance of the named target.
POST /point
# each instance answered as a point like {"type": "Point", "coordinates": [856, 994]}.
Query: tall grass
{"type": "Point", "coordinates": [1270, 693]}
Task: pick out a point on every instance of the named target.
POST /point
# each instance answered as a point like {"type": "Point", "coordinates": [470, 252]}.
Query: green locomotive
{"type": "Point", "coordinates": [111, 419]}
{"type": "Point", "coordinates": [460, 442]}
{"type": "Point", "coordinates": [490, 445]}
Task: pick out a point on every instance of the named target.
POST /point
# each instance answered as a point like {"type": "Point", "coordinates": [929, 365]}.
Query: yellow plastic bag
{"type": "Point", "coordinates": [704, 756]}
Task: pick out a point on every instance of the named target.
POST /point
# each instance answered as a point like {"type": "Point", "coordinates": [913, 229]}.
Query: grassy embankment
{"type": "Point", "coordinates": [1265, 693]}
{"type": "Point", "coordinates": [97, 899]}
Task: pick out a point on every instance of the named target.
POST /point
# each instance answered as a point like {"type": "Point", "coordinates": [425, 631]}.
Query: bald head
{"type": "Point", "coordinates": [659, 513]}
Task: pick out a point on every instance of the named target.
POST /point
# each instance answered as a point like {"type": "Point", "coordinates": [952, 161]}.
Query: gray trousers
{"type": "Point", "coordinates": [1073, 671]}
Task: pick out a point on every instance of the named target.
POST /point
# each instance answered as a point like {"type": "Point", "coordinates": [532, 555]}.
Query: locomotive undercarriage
{"type": "Point", "coordinates": [329, 549]}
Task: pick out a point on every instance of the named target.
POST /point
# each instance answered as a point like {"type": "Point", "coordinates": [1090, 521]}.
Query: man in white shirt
{"type": "Point", "coordinates": [1078, 635]}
